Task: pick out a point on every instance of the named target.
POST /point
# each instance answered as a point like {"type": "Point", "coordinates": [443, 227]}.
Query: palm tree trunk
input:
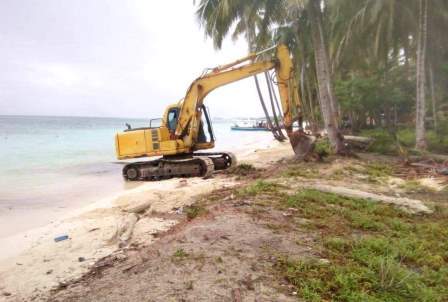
{"type": "Point", "coordinates": [420, 131]}
{"type": "Point", "coordinates": [274, 113]}
{"type": "Point", "coordinates": [303, 95]}
{"type": "Point", "coordinates": [313, 119]}
{"type": "Point", "coordinates": [327, 98]}
{"type": "Point", "coordinates": [306, 92]}
{"type": "Point", "coordinates": [250, 36]}
{"type": "Point", "coordinates": [395, 116]}
{"type": "Point", "coordinates": [433, 97]}
{"type": "Point", "coordinates": [263, 105]}
{"type": "Point", "coordinates": [279, 110]}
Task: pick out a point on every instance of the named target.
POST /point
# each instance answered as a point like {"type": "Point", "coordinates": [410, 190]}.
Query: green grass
{"type": "Point", "coordinates": [375, 172]}
{"type": "Point", "coordinates": [259, 187]}
{"type": "Point", "coordinates": [180, 254]}
{"type": "Point", "coordinates": [300, 171]}
{"type": "Point", "coordinates": [376, 252]}
{"type": "Point", "coordinates": [413, 186]}
{"type": "Point", "coordinates": [378, 170]}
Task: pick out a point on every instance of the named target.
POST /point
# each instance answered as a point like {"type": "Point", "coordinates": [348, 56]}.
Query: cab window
{"type": "Point", "coordinates": [172, 119]}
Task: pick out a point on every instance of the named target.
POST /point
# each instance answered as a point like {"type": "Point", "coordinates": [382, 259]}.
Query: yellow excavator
{"type": "Point", "coordinates": [186, 126]}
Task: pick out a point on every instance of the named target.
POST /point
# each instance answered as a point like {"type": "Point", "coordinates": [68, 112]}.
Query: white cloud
{"type": "Point", "coordinates": [111, 58]}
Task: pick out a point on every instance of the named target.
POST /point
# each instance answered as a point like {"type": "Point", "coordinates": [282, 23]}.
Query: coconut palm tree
{"type": "Point", "coordinates": [328, 102]}
{"type": "Point", "coordinates": [256, 18]}
{"type": "Point", "coordinates": [388, 28]}
{"type": "Point", "coordinates": [305, 18]}
{"type": "Point", "coordinates": [296, 34]}
{"type": "Point", "coordinates": [437, 41]}
{"type": "Point", "coordinates": [420, 129]}
{"type": "Point", "coordinates": [218, 17]}
{"type": "Point", "coordinates": [378, 31]}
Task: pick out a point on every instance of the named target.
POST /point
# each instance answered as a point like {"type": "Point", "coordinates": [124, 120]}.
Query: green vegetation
{"type": "Point", "coordinates": [259, 187]}
{"type": "Point", "coordinates": [378, 170]}
{"type": "Point", "coordinates": [194, 211]}
{"type": "Point", "coordinates": [323, 147]}
{"type": "Point", "coordinates": [374, 172]}
{"type": "Point", "coordinates": [180, 254]}
{"type": "Point", "coordinates": [300, 171]}
{"type": "Point", "coordinates": [385, 143]}
{"type": "Point", "coordinates": [376, 253]}
{"type": "Point", "coordinates": [413, 186]}
{"type": "Point", "coordinates": [370, 251]}
{"type": "Point", "coordinates": [366, 68]}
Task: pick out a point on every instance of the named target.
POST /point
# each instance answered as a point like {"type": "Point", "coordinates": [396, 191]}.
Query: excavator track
{"type": "Point", "coordinates": [194, 165]}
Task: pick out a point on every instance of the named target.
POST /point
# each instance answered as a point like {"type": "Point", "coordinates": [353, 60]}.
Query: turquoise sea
{"type": "Point", "coordinates": [64, 162]}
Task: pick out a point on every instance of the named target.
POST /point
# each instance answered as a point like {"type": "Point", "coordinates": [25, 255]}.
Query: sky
{"type": "Point", "coordinates": [110, 58]}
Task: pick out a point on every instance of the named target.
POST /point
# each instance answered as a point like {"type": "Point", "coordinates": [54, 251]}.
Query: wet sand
{"type": "Point", "coordinates": [52, 204]}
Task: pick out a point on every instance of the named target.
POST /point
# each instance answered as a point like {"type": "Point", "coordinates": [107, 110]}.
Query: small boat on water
{"type": "Point", "coordinates": [250, 125]}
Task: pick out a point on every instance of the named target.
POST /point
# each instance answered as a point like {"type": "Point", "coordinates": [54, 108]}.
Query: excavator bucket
{"type": "Point", "coordinates": [302, 144]}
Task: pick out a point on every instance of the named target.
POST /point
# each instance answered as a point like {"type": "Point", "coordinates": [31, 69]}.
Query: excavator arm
{"type": "Point", "coordinates": [190, 114]}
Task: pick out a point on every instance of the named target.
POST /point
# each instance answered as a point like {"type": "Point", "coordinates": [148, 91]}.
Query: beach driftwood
{"type": "Point", "coordinates": [409, 205]}
{"type": "Point", "coordinates": [358, 142]}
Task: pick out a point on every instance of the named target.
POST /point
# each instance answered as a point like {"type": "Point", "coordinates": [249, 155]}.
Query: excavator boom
{"type": "Point", "coordinates": [226, 74]}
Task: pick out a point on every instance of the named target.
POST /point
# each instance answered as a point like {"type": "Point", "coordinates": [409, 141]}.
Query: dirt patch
{"type": "Point", "coordinates": [228, 252]}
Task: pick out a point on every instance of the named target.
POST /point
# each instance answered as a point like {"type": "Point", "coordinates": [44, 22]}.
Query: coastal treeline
{"type": "Point", "coordinates": [374, 67]}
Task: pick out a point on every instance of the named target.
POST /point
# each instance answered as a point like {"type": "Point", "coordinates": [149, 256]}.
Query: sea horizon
{"type": "Point", "coordinates": [217, 118]}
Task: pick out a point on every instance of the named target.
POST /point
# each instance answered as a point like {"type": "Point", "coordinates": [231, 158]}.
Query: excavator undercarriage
{"type": "Point", "coordinates": [197, 164]}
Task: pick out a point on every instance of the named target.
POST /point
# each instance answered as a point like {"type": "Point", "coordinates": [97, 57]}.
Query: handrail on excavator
{"type": "Point", "coordinates": [249, 57]}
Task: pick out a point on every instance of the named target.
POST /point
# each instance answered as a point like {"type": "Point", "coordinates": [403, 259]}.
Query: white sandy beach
{"type": "Point", "coordinates": [32, 262]}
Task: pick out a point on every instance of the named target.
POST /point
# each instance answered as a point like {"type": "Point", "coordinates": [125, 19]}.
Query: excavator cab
{"type": "Point", "coordinates": [205, 134]}
{"type": "Point", "coordinates": [205, 138]}
{"type": "Point", "coordinates": [172, 118]}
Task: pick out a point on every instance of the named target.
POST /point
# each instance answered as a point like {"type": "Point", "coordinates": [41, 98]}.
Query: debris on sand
{"type": "Point", "coordinates": [61, 238]}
